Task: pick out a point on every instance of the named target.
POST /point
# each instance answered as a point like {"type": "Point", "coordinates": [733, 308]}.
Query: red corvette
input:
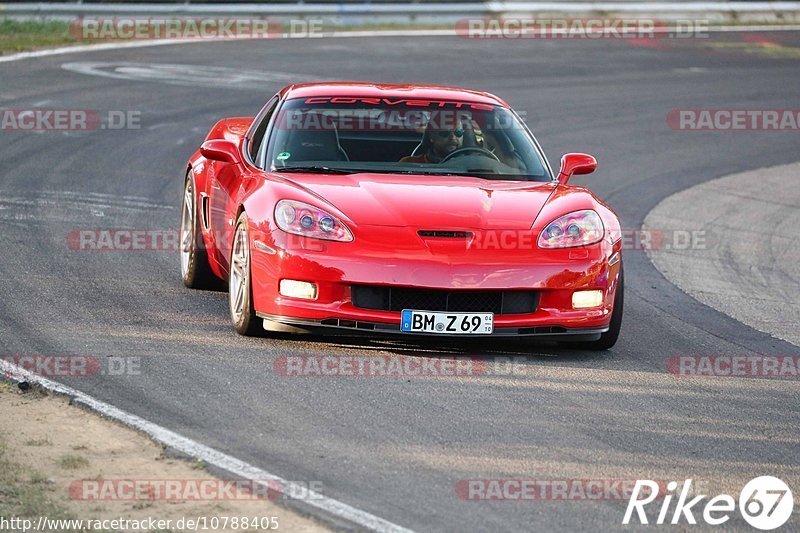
{"type": "Point", "coordinates": [401, 209]}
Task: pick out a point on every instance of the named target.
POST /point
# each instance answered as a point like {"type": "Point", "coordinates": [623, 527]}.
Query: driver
{"type": "Point", "coordinates": [437, 143]}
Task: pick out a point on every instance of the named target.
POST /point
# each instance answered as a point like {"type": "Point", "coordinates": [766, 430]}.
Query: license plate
{"type": "Point", "coordinates": [447, 323]}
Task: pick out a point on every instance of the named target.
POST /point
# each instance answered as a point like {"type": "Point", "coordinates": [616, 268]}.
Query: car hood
{"type": "Point", "coordinates": [435, 202]}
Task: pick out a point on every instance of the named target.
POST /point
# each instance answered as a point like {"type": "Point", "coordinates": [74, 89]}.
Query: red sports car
{"type": "Point", "coordinates": [399, 209]}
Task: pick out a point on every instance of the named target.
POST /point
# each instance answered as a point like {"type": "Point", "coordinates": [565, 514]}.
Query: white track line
{"type": "Point", "coordinates": [208, 455]}
{"type": "Point", "coordinates": [161, 42]}
{"type": "Point", "coordinates": [355, 33]}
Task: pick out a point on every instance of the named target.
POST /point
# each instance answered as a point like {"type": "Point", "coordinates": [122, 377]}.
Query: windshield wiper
{"type": "Point", "coordinates": [422, 172]}
{"type": "Point", "coordinates": [450, 173]}
{"type": "Point", "coordinates": [316, 170]}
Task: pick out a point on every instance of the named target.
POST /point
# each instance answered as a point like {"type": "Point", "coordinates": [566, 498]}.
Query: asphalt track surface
{"type": "Point", "coordinates": [397, 447]}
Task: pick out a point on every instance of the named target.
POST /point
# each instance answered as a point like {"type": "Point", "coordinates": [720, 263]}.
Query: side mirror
{"type": "Point", "coordinates": [576, 164]}
{"type": "Point", "coordinates": [220, 150]}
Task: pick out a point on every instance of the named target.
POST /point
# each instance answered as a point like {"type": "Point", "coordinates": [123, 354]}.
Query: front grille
{"type": "Point", "coordinates": [399, 298]}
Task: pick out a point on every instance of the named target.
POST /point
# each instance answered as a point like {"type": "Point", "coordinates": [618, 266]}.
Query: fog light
{"type": "Point", "coordinates": [298, 289]}
{"type": "Point", "coordinates": [584, 299]}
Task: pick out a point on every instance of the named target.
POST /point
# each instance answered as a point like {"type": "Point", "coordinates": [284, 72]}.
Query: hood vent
{"type": "Point", "coordinates": [445, 234]}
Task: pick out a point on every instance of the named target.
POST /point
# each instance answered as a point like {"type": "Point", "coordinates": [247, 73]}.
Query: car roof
{"type": "Point", "coordinates": [381, 90]}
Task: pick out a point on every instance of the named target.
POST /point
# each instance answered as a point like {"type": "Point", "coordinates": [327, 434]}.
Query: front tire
{"type": "Point", "coordinates": [240, 291]}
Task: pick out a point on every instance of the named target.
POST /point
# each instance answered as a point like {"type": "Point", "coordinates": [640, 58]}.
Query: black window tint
{"type": "Point", "coordinates": [258, 134]}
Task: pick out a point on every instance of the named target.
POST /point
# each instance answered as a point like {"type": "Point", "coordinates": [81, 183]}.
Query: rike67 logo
{"type": "Point", "coordinates": [765, 502]}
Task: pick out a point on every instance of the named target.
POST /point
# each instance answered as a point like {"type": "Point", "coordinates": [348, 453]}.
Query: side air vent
{"type": "Point", "coordinates": [204, 210]}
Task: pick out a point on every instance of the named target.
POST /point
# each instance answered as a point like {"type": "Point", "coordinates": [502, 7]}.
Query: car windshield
{"type": "Point", "coordinates": [397, 135]}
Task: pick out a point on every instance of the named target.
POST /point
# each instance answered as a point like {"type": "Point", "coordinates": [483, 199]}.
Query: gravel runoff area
{"type": "Point", "coordinates": [62, 464]}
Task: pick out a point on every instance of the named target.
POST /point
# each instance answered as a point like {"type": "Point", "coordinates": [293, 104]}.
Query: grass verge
{"type": "Point", "coordinates": [21, 36]}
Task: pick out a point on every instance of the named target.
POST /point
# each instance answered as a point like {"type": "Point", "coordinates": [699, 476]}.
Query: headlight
{"type": "Point", "coordinates": [309, 221]}
{"type": "Point", "coordinates": [574, 229]}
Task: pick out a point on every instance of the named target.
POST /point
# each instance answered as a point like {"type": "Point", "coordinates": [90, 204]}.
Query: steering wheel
{"type": "Point", "coordinates": [466, 150]}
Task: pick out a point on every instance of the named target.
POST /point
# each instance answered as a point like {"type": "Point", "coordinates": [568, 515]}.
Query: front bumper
{"type": "Point", "coordinates": [397, 260]}
{"type": "Point", "coordinates": [345, 326]}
